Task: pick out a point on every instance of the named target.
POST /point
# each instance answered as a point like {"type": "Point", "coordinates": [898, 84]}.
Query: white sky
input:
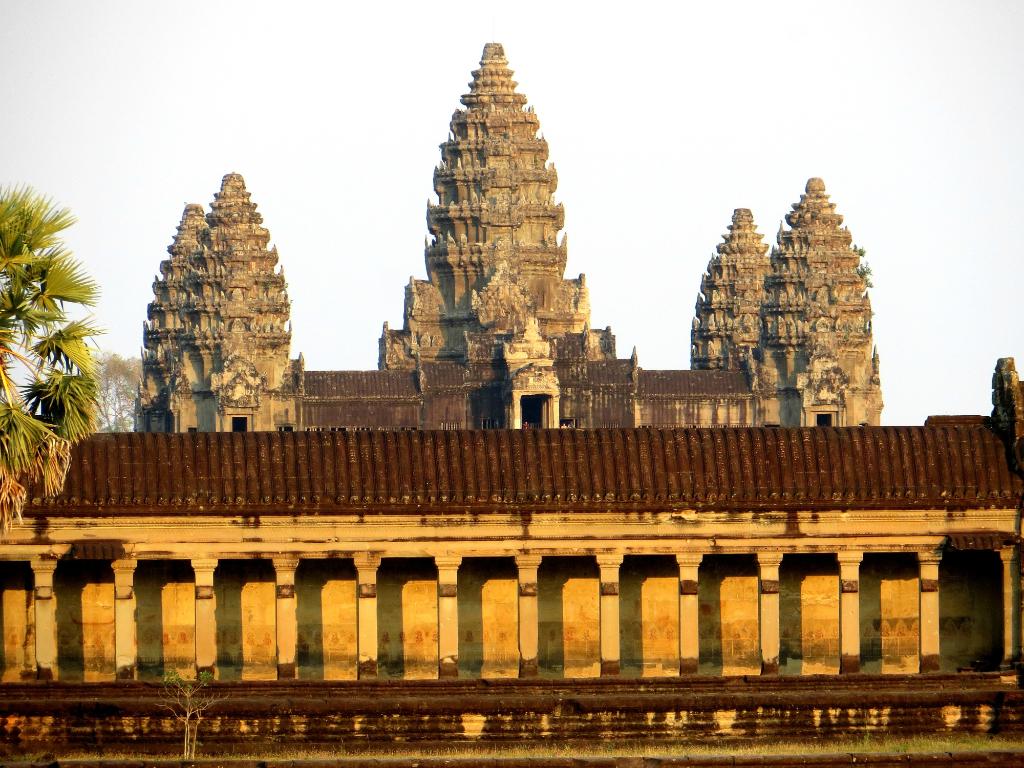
{"type": "Point", "coordinates": [661, 119]}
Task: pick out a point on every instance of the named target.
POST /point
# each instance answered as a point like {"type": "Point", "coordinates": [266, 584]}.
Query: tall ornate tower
{"type": "Point", "coordinates": [216, 345]}
{"type": "Point", "coordinates": [495, 300]}
{"type": "Point", "coordinates": [817, 352]}
{"type": "Point", "coordinates": [727, 325]}
{"type": "Point", "coordinates": [494, 262]}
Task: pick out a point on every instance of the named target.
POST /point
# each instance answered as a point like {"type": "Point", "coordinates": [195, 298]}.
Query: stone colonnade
{"type": "Point", "coordinates": [528, 630]}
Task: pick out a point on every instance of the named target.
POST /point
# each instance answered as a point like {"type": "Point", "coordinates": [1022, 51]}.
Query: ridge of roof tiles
{"type": "Point", "coordinates": [699, 468]}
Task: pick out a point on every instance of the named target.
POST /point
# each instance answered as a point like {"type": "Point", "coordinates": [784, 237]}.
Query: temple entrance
{"type": "Point", "coordinates": [535, 409]}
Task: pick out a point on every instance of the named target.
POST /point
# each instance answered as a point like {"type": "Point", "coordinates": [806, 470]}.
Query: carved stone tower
{"type": "Point", "coordinates": [495, 295]}
{"type": "Point", "coordinates": [727, 325]}
{"type": "Point", "coordinates": [817, 352]}
{"type": "Point", "coordinates": [216, 345]}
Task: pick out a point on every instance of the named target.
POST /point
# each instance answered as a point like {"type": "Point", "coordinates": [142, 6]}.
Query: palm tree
{"type": "Point", "coordinates": [47, 371]}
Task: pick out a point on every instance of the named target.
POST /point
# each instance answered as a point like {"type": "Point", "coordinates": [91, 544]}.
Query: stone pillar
{"type": "Point", "coordinates": [46, 618]}
{"type": "Point", "coordinates": [610, 646]}
{"type": "Point", "coordinates": [929, 566]}
{"type": "Point", "coordinates": [554, 412]}
{"type": "Point", "coordinates": [528, 566]}
{"type": "Point", "coordinates": [206, 618]}
{"type": "Point", "coordinates": [126, 649]}
{"type": "Point", "coordinates": [448, 615]}
{"type": "Point", "coordinates": [849, 611]}
{"type": "Point", "coordinates": [689, 635]}
{"type": "Point", "coordinates": [516, 416]}
{"type": "Point", "coordinates": [366, 599]}
{"type": "Point", "coordinates": [1011, 603]}
{"type": "Point", "coordinates": [768, 566]}
{"type": "Point", "coordinates": [287, 625]}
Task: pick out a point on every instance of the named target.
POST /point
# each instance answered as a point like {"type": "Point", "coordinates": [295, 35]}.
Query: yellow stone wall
{"type": "Point", "coordinates": [889, 609]}
{"type": "Point", "coordinates": [325, 591]}
{"type": "Point", "coordinates": [488, 618]}
{"type": "Point", "coordinates": [246, 620]}
{"type": "Point", "coordinates": [18, 616]}
{"type": "Point", "coordinates": [727, 594]}
{"type": "Point", "coordinates": [568, 594]}
{"type": "Point", "coordinates": [407, 618]}
{"type": "Point", "coordinates": [84, 591]}
{"type": "Point", "coordinates": [165, 604]}
{"type": "Point", "coordinates": [970, 610]}
{"type": "Point", "coordinates": [649, 616]}
{"type": "Point", "coordinates": [809, 615]}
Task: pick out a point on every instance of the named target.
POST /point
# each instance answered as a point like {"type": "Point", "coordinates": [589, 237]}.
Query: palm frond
{"type": "Point", "coordinates": [67, 402]}
{"type": "Point", "coordinates": [67, 348]}
{"type": "Point", "coordinates": [61, 278]}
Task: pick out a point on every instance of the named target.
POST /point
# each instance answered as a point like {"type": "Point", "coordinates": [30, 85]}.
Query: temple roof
{"type": "Point", "coordinates": [692, 383]}
{"type": "Point", "coordinates": [738, 469]}
{"type": "Point", "coordinates": [343, 384]}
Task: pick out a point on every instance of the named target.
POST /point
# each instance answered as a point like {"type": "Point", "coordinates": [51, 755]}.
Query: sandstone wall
{"type": "Point", "coordinates": [325, 593]}
{"type": "Point", "coordinates": [488, 592]}
{"type": "Point", "coordinates": [246, 620]}
{"type": "Point", "coordinates": [568, 592]}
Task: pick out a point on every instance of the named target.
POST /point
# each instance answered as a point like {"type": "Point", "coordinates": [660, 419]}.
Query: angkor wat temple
{"type": "Point", "coordinates": [496, 336]}
{"type": "Point", "coordinates": [385, 556]}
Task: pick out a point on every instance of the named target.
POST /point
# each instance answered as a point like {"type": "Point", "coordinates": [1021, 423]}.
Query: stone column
{"type": "Point", "coordinates": [448, 615]}
{"type": "Point", "coordinates": [366, 599]}
{"type": "Point", "coordinates": [768, 565]}
{"type": "Point", "coordinates": [528, 566]}
{"type": "Point", "coordinates": [929, 566]}
{"type": "Point", "coordinates": [46, 618]}
{"type": "Point", "coordinates": [206, 618]}
{"type": "Point", "coordinates": [849, 611]}
{"type": "Point", "coordinates": [610, 646]}
{"type": "Point", "coordinates": [516, 417]}
{"type": "Point", "coordinates": [126, 649]}
{"type": "Point", "coordinates": [1011, 603]}
{"type": "Point", "coordinates": [287, 625]}
{"type": "Point", "coordinates": [689, 635]}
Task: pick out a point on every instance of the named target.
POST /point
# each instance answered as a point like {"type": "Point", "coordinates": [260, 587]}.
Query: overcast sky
{"type": "Point", "coordinates": [661, 118]}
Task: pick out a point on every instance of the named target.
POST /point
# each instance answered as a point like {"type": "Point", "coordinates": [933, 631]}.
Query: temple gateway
{"type": "Point", "coordinates": [505, 502]}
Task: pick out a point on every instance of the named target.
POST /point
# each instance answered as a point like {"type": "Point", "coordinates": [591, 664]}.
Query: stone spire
{"type": "Point", "coordinates": [817, 318]}
{"type": "Point", "coordinates": [220, 312]}
{"type": "Point", "coordinates": [727, 325]}
{"type": "Point", "coordinates": [493, 259]}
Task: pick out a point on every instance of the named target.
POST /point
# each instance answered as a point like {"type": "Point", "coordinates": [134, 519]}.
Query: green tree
{"type": "Point", "coordinates": [118, 388]}
{"type": "Point", "coordinates": [47, 369]}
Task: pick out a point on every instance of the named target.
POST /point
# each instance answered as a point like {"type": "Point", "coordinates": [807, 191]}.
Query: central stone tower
{"type": "Point", "coordinates": [495, 296]}
{"type": "Point", "coordinates": [494, 263]}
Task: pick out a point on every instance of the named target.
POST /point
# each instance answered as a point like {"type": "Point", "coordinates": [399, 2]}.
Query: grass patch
{"type": "Point", "coordinates": [873, 744]}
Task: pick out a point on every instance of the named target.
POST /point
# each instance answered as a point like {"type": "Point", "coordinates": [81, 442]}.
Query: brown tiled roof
{"type": "Point", "coordinates": [332, 384]}
{"type": "Point", "coordinates": [444, 374]}
{"type": "Point", "coordinates": [725, 468]}
{"type": "Point", "coordinates": [609, 372]}
{"type": "Point", "coordinates": [692, 383]}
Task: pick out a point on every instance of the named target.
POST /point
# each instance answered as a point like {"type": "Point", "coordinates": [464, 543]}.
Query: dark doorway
{"type": "Point", "coordinates": [239, 423]}
{"type": "Point", "coordinates": [534, 410]}
{"type": "Point", "coordinates": [823, 419]}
